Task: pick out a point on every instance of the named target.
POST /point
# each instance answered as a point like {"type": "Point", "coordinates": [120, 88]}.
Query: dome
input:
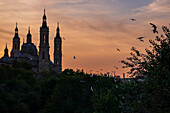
{"type": "Point", "coordinates": [29, 48]}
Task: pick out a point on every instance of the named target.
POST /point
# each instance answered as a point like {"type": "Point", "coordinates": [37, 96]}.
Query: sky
{"type": "Point", "coordinates": [92, 29]}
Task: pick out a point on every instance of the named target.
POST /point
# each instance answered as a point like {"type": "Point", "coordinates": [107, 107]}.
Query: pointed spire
{"type": "Point", "coordinates": [29, 30]}
{"type": "Point", "coordinates": [6, 46]}
{"type": "Point", "coordinates": [29, 40]}
{"type": "Point", "coordinates": [58, 24]}
{"type": "Point", "coordinates": [16, 31]}
{"type": "Point", "coordinates": [6, 51]}
{"type": "Point", "coordinates": [58, 30]}
{"type": "Point", "coordinates": [16, 28]}
{"type": "Point", "coordinates": [44, 24]}
{"type": "Point", "coordinates": [44, 17]}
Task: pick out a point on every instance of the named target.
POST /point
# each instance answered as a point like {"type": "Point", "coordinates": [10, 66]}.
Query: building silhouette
{"type": "Point", "coordinates": [28, 53]}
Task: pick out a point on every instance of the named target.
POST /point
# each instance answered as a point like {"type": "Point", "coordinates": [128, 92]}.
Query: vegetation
{"type": "Point", "coordinates": [76, 92]}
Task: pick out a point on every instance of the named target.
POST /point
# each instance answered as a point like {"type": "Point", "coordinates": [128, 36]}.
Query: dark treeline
{"type": "Point", "coordinates": [77, 92]}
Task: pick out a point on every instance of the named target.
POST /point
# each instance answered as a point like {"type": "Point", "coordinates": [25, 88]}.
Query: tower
{"type": "Point", "coordinates": [44, 57]}
{"type": "Point", "coordinates": [58, 50]}
{"type": "Point", "coordinates": [16, 44]}
{"type": "Point", "coordinates": [6, 51]}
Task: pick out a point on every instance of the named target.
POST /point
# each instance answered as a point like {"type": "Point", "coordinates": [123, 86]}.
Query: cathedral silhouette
{"type": "Point", "coordinates": [29, 53]}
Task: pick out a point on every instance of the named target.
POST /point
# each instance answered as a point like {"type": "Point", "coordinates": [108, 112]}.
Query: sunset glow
{"type": "Point", "coordinates": [92, 29]}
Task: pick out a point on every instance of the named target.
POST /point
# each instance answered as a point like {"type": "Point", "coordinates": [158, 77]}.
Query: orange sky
{"type": "Point", "coordinates": [93, 29]}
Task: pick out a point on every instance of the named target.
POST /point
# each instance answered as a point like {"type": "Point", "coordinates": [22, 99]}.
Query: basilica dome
{"type": "Point", "coordinates": [29, 48]}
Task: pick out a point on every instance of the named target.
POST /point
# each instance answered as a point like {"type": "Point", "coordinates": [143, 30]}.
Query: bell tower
{"type": "Point", "coordinates": [58, 50]}
{"type": "Point", "coordinates": [44, 56]}
{"type": "Point", "coordinates": [16, 44]}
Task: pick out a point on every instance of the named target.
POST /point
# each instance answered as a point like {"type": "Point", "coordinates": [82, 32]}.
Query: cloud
{"type": "Point", "coordinates": [158, 6]}
{"type": "Point", "coordinates": [92, 28]}
{"type": "Point", "coordinates": [5, 31]}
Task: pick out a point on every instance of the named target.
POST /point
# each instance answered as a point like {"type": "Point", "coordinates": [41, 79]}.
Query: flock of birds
{"type": "Point", "coordinates": [142, 37]}
{"type": "Point", "coordinates": [139, 38]}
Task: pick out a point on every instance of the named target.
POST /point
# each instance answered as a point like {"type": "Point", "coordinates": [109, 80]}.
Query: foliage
{"type": "Point", "coordinates": [155, 67]}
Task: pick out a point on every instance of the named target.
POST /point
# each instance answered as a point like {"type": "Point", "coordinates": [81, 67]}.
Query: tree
{"type": "Point", "coordinates": [155, 67]}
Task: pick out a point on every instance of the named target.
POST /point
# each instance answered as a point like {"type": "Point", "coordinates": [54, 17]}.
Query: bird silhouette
{"type": "Point", "coordinates": [118, 49]}
{"type": "Point", "coordinates": [154, 28]}
{"type": "Point", "coordinates": [116, 67]}
{"type": "Point", "coordinates": [133, 19]}
{"type": "Point", "coordinates": [74, 57]}
{"type": "Point", "coordinates": [140, 37]}
{"type": "Point", "coordinates": [141, 40]}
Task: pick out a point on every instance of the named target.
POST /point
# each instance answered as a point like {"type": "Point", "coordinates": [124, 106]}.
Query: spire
{"type": "Point", "coordinates": [44, 24]}
{"type": "Point", "coordinates": [44, 17]}
{"type": "Point", "coordinates": [6, 51]}
{"type": "Point", "coordinates": [58, 30]}
{"type": "Point", "coordinates": [29, 30]}
{"type": "Point", "coordinates": [6, 46]}
{"type": "Point", "coordinates": [29, 40]}
{"type": "Point", "coordinates": [58, 24]}
{"type": "Point", "coordinates": [16, 30]}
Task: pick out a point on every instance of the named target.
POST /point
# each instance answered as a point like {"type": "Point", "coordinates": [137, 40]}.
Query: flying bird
{"type": "Point", "coordinates": [118, 49]}
{"type": "Point", "coordinates": [140, 38]}
{"type": "Point", "coordinates": [74, 57]}
{"type": "Point", "coordinates": [133, 19]}
{"type": "Point", "coordinates": [154, 28]}
{"type": "Point", "coordinates": [116, 67]}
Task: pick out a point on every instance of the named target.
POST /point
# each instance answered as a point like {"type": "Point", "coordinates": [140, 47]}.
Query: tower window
{"type": "Point", "coordinates": [43, 55]}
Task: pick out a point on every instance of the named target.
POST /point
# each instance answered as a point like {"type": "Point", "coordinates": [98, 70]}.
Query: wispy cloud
{"type": "Point", "coordinates": [92, 28]}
